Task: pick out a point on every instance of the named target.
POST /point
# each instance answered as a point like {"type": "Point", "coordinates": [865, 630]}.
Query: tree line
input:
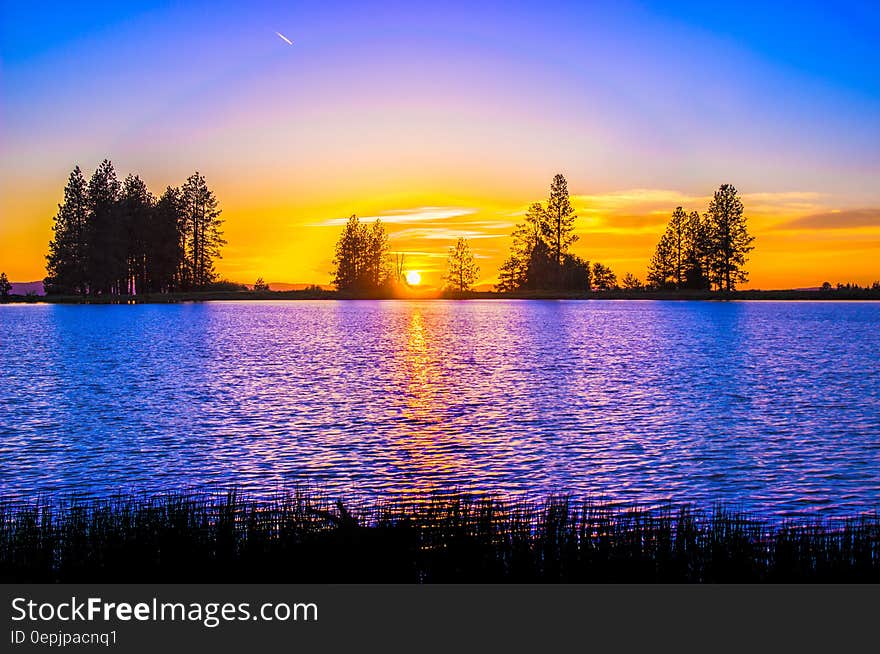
{"type": "Point", "coordinates": [117, 238]}
{"type": "Point", "coordinates": [707, 251]}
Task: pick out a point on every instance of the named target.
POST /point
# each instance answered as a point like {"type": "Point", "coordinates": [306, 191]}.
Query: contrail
{"type": "Point", "coordinates": [284, 38]}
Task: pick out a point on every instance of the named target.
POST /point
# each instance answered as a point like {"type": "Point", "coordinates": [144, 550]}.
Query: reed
{"type": "Point", "coordinates": [301, 536]}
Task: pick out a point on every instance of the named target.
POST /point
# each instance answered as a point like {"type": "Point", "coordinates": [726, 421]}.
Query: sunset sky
{"type": "Point", "coordinates": [447, 120]}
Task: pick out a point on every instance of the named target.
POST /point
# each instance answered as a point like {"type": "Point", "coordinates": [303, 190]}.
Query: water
{"type": "Point", "coordinates": [772, 407]}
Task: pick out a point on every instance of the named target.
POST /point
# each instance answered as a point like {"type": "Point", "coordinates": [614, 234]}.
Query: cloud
{"type": "Point", "coordinates": [836, 219]}
{"type": "Point", "coordinates": [439, 234]}
{"type": "Point", "coordinates": [404, 216]}
{"type": "Point", "coordinates": [638, 197]}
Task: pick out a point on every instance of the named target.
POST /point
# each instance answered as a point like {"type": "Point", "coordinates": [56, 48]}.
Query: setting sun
{"type": "Point", "coordinates": [413, 278]}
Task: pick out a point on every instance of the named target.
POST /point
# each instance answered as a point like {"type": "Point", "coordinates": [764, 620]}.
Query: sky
{"type": "Point", "coordinates": [448, 120]}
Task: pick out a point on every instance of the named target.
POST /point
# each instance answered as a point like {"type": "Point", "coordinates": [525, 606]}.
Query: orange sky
{"type": "Point", "coordinates": [802, 238]}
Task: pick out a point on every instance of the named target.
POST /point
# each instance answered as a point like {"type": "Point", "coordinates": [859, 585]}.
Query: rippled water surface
{"type": "Point", "coordinates": [772, 407]}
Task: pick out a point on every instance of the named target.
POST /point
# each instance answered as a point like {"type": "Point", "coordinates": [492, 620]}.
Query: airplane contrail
{"type": "Point", "coordinates": [284, 38]}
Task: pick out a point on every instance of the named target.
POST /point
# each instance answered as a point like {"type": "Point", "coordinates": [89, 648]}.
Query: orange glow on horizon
{"type": "Point", "coordinates": [802, 238]}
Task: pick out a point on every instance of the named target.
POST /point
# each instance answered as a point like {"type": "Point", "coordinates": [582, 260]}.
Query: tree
{"type": "Point", "coordinates": [575, 273]}
{"type": "Point", "coordinates": [360, 257]}
{"type": "Point", "coordinates": [678, 259]}
{"type": "Point", "coordinates": [66, 260]}
{"type": "Point", "coordinates": [5, 287]}
{"type": "Point", "coordinates": [112, 238]}
{"type": "Point", "coordinates": [729, 239]}
{"type": "Point", "coordinates": [461, 271]}
{"type": "Point", "coordinates": [201, 229]}
{"type": "Point", "coordinates": [260, 285]}
{"type": "Point", "coordinates": [539, 257]}
{"type": "Point", "coordinates": [677, 229]}
{"type": "Point", "coordinates": [105, 234]}
{"type": "Point", "coordinates": [603, 277]}
{"type": "Point", "coordinates": [399, 267]}
{"type": "Point", "coordinates": [165, 244]}
{"type": "Point", "coordinates": [376, 252]}
{"type": "Point", "coordinates": [348, 256]}
{"type": "Point", "coordinates": [136, 214]}
{"type": "Point", "coordinates": [630, 282]}
{"type": "Point", "coordinates": [698, 253]}
{"type": "Point", "coordinates": [514, 272]}
{"type": "Point", "coordinates": [661, 270]}
{"type": "Point", "coordinates": [559, 221]}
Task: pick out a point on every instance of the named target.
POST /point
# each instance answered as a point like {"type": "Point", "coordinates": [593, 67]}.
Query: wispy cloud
{"type": "Point", "coordinates": [836, 219]}
{"type": "Point", "coordinates": [439, 234]}
{"type": "Point", "coordinates": [646, 198]}
{"type": "Point", "coordinates": [404, 216]}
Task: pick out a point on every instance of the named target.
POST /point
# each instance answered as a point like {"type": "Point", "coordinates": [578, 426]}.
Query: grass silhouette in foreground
{"type": "Point", "coordinates": [302, 537]}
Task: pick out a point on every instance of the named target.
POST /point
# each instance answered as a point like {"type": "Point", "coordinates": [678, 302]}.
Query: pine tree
{"type": "Point", "coordinates": [559, 221]}
{"type": "Point", "coordinates": [65, 262]}
{"type": "Point", "coordinates": [105, 251]}
{"type": "Point", "coordinates": [165, 244]}
{"type": "Point", "coordinates": [201, 228]}
{"type": "Point", "coordinates": [361, 257]}
{"type": "Point", "coordinates": [136, 213]}
{"type": "Point", "coordinates": [514, 272]}
{"type": "Point", "coordinates": [729, 239]}
{"type": "Point", "coordinates": [348, 256]}
{"type": "Point", "coordinates": [461, 269]}
{"type": "Point", "coordinates": [5, 287]}
{"type": "Point", "coordinates": [376, 254]}
{"type": "Point", "coordinates": [677, 229]}
{"type": "Point", "coordinates": [539, 257]}
{"type": "Point", "coordinates": [661, 270]}
{"type": "Point", "coordinates": [604, 278]}
{"type": "Point", "coordinates": [698, 254]}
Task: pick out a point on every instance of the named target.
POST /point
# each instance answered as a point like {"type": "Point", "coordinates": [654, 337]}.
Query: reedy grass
{"type": "Point", "coordinates": [301, 536]}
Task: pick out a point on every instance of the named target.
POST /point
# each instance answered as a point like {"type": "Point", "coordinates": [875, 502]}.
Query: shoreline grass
{"type": "Point", "coordinates": [301, 537]}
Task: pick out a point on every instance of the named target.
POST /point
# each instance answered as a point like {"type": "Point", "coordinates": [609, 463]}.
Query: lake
{"type": "Point", "coordinates": [771, 407]}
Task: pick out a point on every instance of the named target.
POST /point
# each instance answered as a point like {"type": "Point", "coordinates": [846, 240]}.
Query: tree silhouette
{"type": "Point", "coordinates": [105, 234]}
{"type": "Point", "coordinates": [5, 287]}
{"type": "Point", "coordinates": [66, 260]}
{"type": "Point", "coordinates": [539, 257]}
{"type": "Point", "coordinates": [559, 221]}
{"type": "Point", "coordinates": [201, 227]}
{"type": "Point", "coordinates": [679, 259]}
{"type": "Point", "coordinates": [630, 282]}
{"type": "Point", "coordinates": [361, 252]}
{"type": "Point", "coordinates": [462, 271]}
{"type": "Point", "coordinates": [698, 254]}
{"type": "Point", "coordinates": [136, 210]}
{"type": "Point", "coordinates": [527, 236]}
{"type": "Point", "coordinates": [701, 252]}
{"type": "Point", "coordinates": [661, 270]}
{"type": "Point", "coordinates": [729, 239]}
{"type": "Point", "coordinates": [112, 238]}
{"type": "Point", "coordinates": [165, 244]}
{"type": "Point", "coordinates": [260, 285]}
{"type": "Point", "coordinates": [604, 278]}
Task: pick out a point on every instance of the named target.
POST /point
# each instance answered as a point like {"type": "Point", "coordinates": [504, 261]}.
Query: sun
{"type": "Point", "coordinates": [413, 278]}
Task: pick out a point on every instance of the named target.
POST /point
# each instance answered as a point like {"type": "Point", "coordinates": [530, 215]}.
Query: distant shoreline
{"type": "Point", "coordinates": [713, 296]}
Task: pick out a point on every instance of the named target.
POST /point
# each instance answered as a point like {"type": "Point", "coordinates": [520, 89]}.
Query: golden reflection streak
{"type": "Point", "coordinates": [428, 448]}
